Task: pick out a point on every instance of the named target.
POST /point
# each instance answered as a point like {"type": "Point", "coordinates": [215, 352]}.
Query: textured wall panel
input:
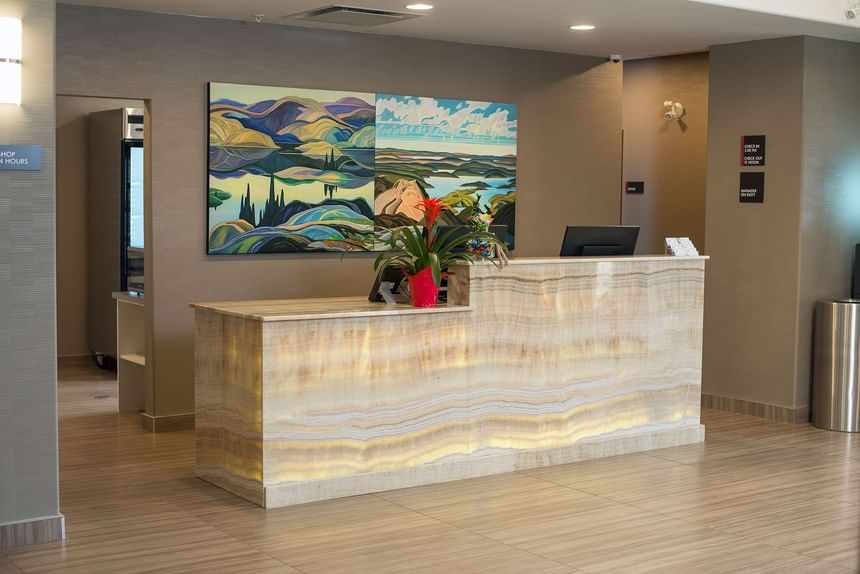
{"type": "Point", "coordinates": [569, 146]}
{"type": "Point", "coordinates": [28, 374]}
{"type": "Point", "coordinates": [752, 286]}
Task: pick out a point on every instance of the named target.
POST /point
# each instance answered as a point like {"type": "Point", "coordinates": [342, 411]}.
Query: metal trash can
{"type": "Point", "coordinates": [836, 368]}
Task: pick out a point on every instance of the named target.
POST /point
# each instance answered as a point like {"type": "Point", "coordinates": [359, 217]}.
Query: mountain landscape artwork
{"type": "Point", "coordinates": [460, 151]}
{"type": "Point", "coordinates": [290, 170]}
{"type": "Point", "coordinates": [302, 170]}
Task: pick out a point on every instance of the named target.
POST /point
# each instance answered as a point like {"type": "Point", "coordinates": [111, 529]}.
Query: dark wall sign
{"type": "Point", "coordinates": [752, 187]}
{"type": "Point", "coordinates": [635, 187]}
{"type": "Point", "coordinates": [20, 158]}
{"type": "Point", "coordinates": [752, 150]}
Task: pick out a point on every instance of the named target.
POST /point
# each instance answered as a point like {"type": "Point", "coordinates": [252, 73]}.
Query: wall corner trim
{"type": "Point", "coordinates": [167, 423]}
{"type": "Point", "coordinates": [33, 531]}
{"type": "Point", "coordinates": [762, 410]}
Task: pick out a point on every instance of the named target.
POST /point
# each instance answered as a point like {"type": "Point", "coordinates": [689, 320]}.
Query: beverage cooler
{"type": "Point", "coordinates": [131, 234]}
{"type": "Point", "coordinates": [115, 212]}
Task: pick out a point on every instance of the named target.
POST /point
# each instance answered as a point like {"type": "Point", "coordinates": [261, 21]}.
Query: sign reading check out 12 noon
{"type": "Point", "coordinates": [753, 151]}
{"type": "Point", "coordinates": [20, 158]}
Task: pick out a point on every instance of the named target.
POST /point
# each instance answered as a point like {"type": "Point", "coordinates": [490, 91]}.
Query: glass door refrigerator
{"type": "Point", "coordinates": [131, 248]}
{"type": "Point", "coordinates": [115, 234]}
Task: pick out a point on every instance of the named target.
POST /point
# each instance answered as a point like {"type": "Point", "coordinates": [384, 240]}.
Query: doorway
{"type": "Point", "coordinates": [100, 239]}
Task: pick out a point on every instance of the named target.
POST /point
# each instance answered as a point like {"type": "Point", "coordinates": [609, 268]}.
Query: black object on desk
{"type": "Point", "coordinates": [391, 274]}
{"type": "Point", "coordinates": [599, 240]}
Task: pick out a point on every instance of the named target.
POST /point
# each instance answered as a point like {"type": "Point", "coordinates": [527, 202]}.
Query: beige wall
{"type": "Point", "coordinates": [752, 281]}
{"type": "Point", "coordinates": [772, 261]}
{"type": "Point", "coordinates": [28, 372]}
{"type": "Point", "coordinates": [669, 156]}
{"type": "Point", "coordinates": [569, 143]}
{"type": "Point", "coordinates": [830, 223]}
{"type": "Point", "coordinates": [72, 222]}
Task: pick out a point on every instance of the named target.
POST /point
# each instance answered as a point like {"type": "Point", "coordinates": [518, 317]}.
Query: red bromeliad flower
{"type": "Point", "coordinates": [431, 207]}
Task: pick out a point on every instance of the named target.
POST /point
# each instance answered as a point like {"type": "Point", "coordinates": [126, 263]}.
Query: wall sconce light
{"type": "Point", "coordinates": [674, 110]}
{"type": "Point", "coordinates": [10, 60]}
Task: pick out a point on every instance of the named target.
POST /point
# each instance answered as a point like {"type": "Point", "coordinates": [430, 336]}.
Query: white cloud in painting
{"type": "Point", "coordinates": [467, 117]}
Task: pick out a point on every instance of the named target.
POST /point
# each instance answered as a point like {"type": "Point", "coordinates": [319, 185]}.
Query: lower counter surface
{"type": "Point", "coordinates": [552, 364]}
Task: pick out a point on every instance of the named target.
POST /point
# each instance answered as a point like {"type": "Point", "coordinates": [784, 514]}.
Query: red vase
{"type": "Point", "coordinates": [424, 291]}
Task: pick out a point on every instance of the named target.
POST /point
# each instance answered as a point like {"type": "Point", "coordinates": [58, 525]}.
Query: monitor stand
{"type": "Point", "coordinates": [601, 250]}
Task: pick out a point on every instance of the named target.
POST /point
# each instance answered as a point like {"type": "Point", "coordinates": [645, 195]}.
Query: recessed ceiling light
{"type": "Point", "coordinates": [582, 27]}
{"type": "Point", "coordinates": [419, 6]}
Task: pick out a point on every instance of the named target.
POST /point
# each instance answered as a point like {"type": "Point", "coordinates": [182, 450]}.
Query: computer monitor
{"type": "Point", "coordinates": [500, 231]}
{"type": "Point", "coordinates": [599, 240]}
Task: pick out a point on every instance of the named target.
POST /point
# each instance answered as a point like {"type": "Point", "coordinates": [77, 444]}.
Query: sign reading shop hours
{"type": "Point", "coordinates": [20, 158]}
{"type": "Point", "coordinates": [752, 187]}
{"type": "Point", "coordinates": [752, 150]}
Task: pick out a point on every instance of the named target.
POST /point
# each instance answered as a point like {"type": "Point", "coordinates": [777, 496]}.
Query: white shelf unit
{"type": "Point", "coordinates": [131, 350]}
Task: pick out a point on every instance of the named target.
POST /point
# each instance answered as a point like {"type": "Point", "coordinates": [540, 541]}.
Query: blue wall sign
{"type": "Point", "coordinates": [20, 158]}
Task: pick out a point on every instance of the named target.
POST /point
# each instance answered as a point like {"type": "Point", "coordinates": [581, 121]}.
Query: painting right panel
{"type": "Point", "coordinates": [460, 151]}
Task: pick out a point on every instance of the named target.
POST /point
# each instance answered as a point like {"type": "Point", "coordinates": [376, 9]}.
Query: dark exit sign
{"type": "Point", "coordinates": [752, 150]}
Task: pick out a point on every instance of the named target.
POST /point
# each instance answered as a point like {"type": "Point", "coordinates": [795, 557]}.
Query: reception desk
{"type": "Point", "coordinates": [543, 362]}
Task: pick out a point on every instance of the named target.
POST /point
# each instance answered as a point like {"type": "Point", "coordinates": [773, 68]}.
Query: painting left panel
{"type": "Point", "coordinates": [290, 170]}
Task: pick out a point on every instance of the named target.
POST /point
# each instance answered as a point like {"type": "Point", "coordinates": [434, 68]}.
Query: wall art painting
{"type": "Point", "coordinates": [302, 170]}
{"type": "Point", "coordinates": [290, 170]}
{"type": "Point", "coordinates": [460, 151]}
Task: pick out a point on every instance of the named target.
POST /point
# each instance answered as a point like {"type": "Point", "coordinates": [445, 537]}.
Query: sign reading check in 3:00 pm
{"type": "Point", "coordinates": [20, 158]}
{"type": "Point", "coordinates": [753, 151]}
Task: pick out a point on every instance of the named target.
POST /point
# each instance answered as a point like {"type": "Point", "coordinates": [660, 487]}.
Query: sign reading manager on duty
{"type": "Point", "coordinates": [752, 187]}
{"type": "Point", "coordinates": [20, 158]}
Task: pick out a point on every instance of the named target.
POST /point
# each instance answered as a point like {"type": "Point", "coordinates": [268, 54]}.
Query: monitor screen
{"type": "Point", "coordinates": [599, 240]}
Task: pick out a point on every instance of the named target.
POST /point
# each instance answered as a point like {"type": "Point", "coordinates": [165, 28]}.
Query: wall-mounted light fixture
{"type": "Point", "coordinates": [10, 60]}
{"type": "Point", "coordinates": [674, 110]}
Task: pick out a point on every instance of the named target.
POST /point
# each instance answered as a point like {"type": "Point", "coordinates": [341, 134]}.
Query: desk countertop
{"type": "Point", "coordinates": [592, 260]}
{"type": "Point", "coordinates": [327, 308]}
{"type": "Point", "coordinates": [129, 297]}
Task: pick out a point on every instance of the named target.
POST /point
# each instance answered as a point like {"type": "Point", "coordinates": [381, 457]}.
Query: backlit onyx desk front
{"type": "Point", "coordinates": [544, 362]}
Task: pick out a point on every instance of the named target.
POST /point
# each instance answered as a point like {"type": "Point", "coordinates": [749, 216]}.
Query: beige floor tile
{"type": "Point", "coordinates": [629, 540]}
{"type": "Point", "coordinates": [410, 543]}
{"type": "Point", "coordinates": [522, 509]}
{"type": "Point", "coordinates": [260, 527]}
{"type": "Point", "coordinates": [463, 491]}
{"type": "Point", "coordinates": [129, 537]}
{"type": "Point", "coordinates": [602, 468]}
{"type": "Point", "coordinates": [7, 566]}
{"type": "Point", "coordinates": [757, 497]}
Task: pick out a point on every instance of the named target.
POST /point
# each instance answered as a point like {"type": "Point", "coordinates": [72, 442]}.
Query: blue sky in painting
{"type": "Point", "coordinates": [415, 120]}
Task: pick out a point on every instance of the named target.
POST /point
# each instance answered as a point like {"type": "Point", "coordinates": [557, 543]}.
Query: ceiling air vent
{"type": "Point", "coordinates": [351, 16]}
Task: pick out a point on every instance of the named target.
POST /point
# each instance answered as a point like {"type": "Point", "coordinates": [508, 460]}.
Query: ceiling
{"type": "Point", "coordinates": [633, 28]}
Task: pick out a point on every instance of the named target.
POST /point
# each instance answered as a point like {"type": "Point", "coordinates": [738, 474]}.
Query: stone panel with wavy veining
{"type": "Point", "coordinates": [555, 362]}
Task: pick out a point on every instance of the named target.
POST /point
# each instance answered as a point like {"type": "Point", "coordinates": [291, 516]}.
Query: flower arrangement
{"type": "Point", "coordinates": [479, 245]}
{"type": "Point", "coordinates": [425, 253]}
